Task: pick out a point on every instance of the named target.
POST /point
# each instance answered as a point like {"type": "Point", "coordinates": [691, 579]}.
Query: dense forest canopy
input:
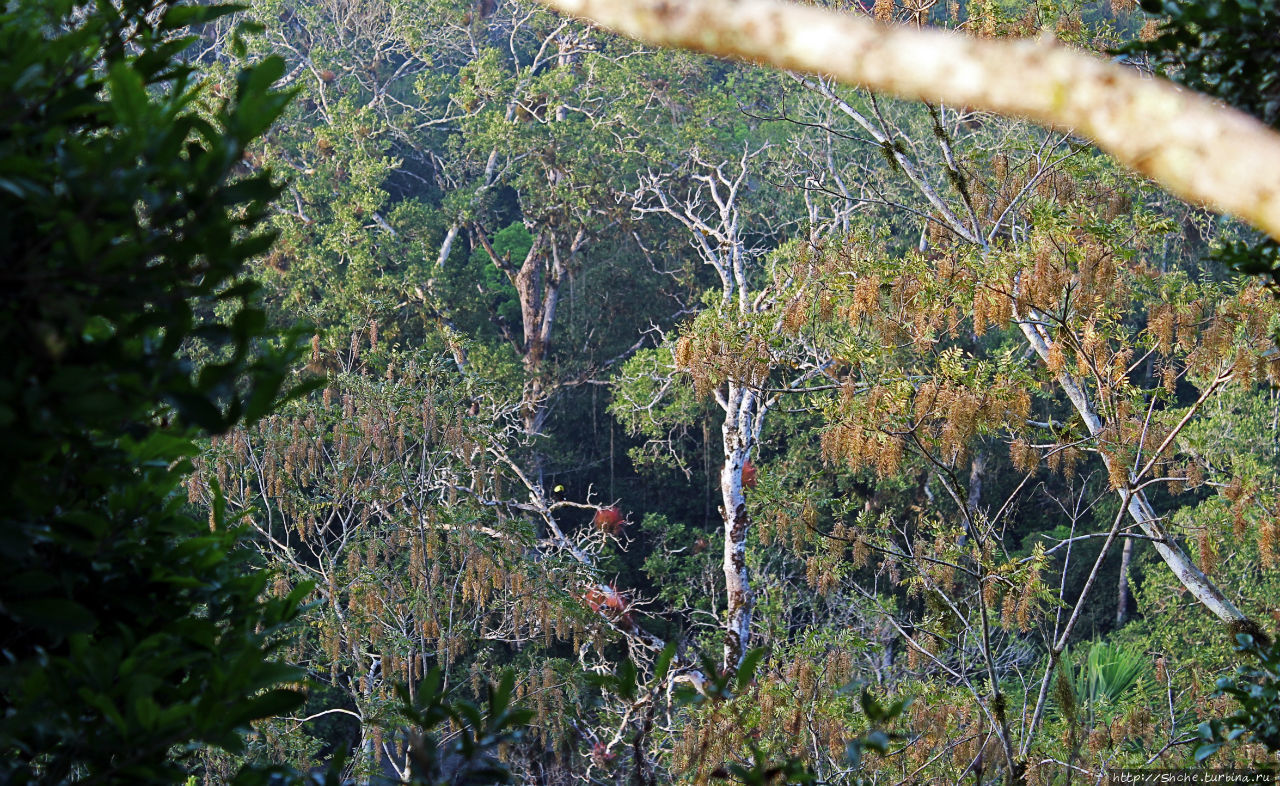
{"type": "Point", "coordinates": [431, 391]}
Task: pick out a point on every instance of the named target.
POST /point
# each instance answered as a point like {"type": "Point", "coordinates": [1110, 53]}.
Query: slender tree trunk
{"type": "Point", "coordinates": [1122, 596]}
{"type": "Point", "coordinates": [450, 333]}
{"type": "Point", "coordinates": [712, 217]}
{"type": "Point", "coordinates": [973, 501]}
{"type": "Point", "coordinates": [740, 411]}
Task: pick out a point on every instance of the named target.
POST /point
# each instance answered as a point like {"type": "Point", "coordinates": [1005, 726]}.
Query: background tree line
{"type": "Point", "coordinates": [728, 409]}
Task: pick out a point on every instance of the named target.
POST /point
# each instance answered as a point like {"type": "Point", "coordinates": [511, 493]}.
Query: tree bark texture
{"type": "Point", "coordinates": [737, 431]}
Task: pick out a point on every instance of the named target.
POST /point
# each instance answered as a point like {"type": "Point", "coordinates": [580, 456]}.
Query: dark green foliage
{"type": "Point", "coordinates": [1256, 686]}
{"type": "Point", "coordinates": [880, 719]}
{"type": "Point", "coordinates": [1228, 49]}
{"type": "Point", "coordinates": [1261, 257]}
{"type": "Point", "coordinates": [478, 293]}
{"type": "Point", "coordinates": [470, 758]}
{"type": "Point", "coordinates": [761, 771]}
{"type": "Point", "coordinates": [132, 632]}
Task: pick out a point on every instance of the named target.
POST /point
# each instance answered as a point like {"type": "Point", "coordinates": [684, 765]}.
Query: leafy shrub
{"type": "Point", "coordinates": [1256, 686]}
{"type": "Point", "coordinates": [132, 633]}
{"type": "Point", "coordinates": [1096, 687]}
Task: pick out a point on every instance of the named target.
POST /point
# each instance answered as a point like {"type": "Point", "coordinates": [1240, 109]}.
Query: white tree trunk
{"type": "Point", "coordinates": [740, 414]}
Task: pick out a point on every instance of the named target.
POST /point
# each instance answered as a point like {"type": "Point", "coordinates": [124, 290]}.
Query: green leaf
{"type": "Point", "coordinates": [179, 16]}
{"type": "Point", "coordinates": [662, 664]}
{"type": "Point", "coordinates": [128, 95]}
{"type": "Point", "coordinates": [267, 705]}
{"type": "Point", "coordinates": [627, 676]}
{"type": "Point", "coordinates": [747, 671]}
{"type": "Point", "coordinates": [877, 741]}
